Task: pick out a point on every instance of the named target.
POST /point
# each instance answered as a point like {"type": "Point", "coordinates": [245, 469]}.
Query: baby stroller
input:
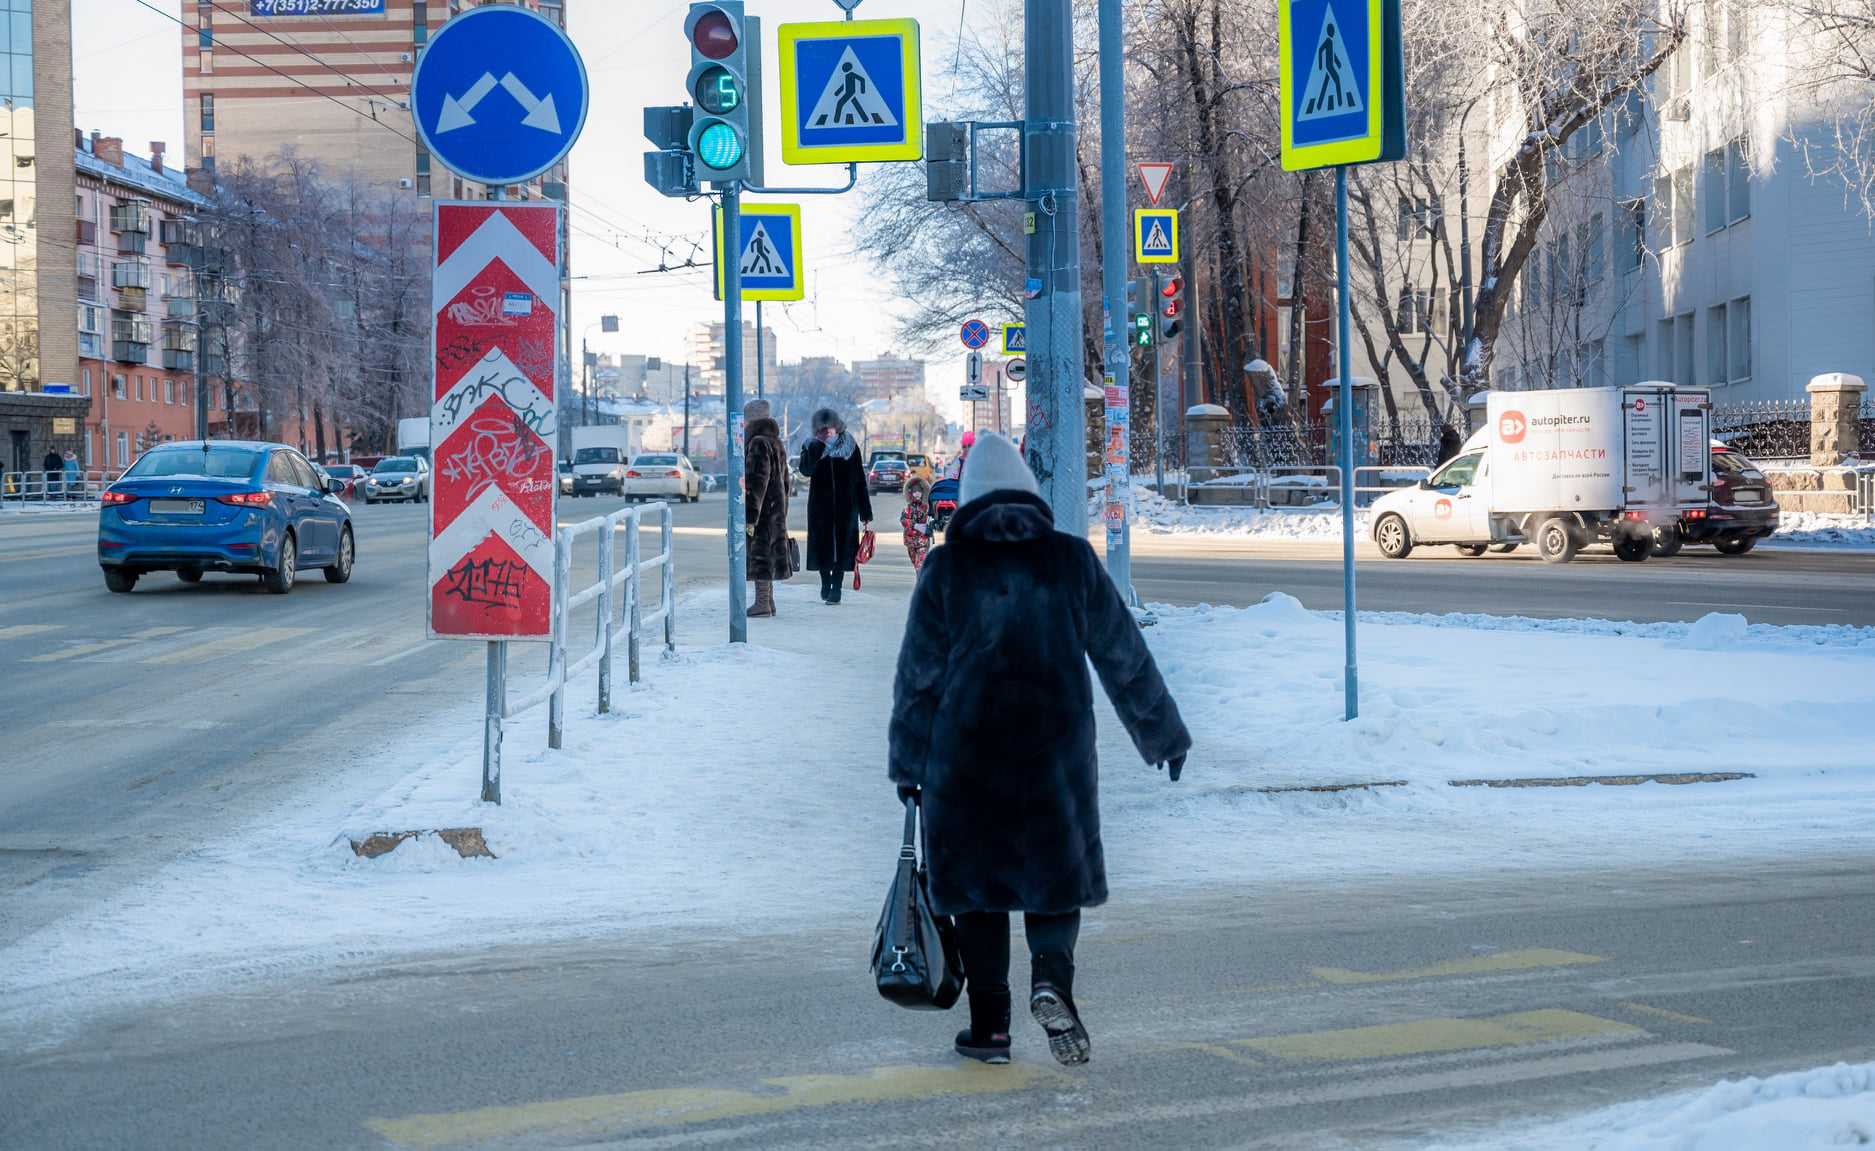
{"type": "Point", "coordinates": [943, 504]}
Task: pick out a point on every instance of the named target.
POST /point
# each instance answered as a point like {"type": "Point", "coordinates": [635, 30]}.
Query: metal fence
{"type": "Point", "coordinates": [616, 614]}
{"type": "Point", "coordinates": [1770, 430]}
{"type": "Point", "coordinates": [36, 488]}
{"type": "Point", "coordinates": [1402, 443]}
{"type": "Point", "coordinates": [1865, 495]}
{"type": "Point", "coordinates": [1307, 487]}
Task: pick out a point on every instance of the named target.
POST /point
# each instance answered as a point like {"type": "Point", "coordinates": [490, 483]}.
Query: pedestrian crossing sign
{"type": "Point", "coordinates": [768, 252]}
{"type": "Point", "coordinates": [1341, 82]}
{"type": "Point", "coordinates": [1015, 339]}
{"type": "Point", "coordinates": [850, 91]}
{"type": "Point", "coordinates": [1155, 235]}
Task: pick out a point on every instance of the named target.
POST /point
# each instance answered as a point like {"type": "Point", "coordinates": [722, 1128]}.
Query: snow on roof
{"type": "Point", "coordinates": [137, 173]}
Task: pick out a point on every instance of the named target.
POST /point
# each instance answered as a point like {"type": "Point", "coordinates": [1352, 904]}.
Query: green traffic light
{"type": "Point", "coordinates": [719, 146]}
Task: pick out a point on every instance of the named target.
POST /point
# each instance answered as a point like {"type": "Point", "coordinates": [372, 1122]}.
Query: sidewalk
{"type": "Point", "coordinates": [744, 789]}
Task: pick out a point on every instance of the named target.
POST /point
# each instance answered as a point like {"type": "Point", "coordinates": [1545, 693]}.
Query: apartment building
{"type": "Point", "coordinates": [39, 407]}
{"type": "Point", "coordinates": [707, 349]}
{"type": "Point", "coordinates": [889, 377]}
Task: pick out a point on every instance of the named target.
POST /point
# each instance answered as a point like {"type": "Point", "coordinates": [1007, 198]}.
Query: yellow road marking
{"type": "Point", "coordinates": [246, 640]}
{"type": "Point", "coordinates": [686, 1105]}
{"type": "Point", "coordinates": [1435, 1036]}
{"type": "Point", "coordinates": [157, 632]}
{"type": "Point", "coordinates": [18, 631]}
{"type": "Point", "coordinates": [1504, 961]}
{"type": "Point", "coordinates": [1660, 1013]}
{"type": "Point", "coordinates": [80, 650]}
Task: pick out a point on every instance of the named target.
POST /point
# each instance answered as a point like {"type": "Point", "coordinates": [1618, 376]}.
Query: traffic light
{"type": "Point", "coordinates": [1139, 310]}
{"type": "Point", "coordinates": [726, 85]}
{"type": "Point", "coordinates": [1171, 306]}
{"type": "Point", "coordinates": [668, 168]}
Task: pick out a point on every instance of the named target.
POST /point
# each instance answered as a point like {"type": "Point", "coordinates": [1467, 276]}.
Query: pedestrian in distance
{"type": "Point", "coordinates": [992, 733]}
{"type": "Point", "coordinates": [54, 479]}
{"type": "Point", "coordinates": [74, 482]}
{"type": "Point", "coordinates": [838, 505]}
{"type": "Point", "coordinates": [955, 469]}
{"type": "Point", "coordinates": [770, 556]}
{"type": "Point", "coordinates": [916, 522]}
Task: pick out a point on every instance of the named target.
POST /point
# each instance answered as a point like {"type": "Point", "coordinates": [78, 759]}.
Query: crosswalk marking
{"type": "Point", "coordinates": [1529, 959]}
{"type": "Point", "coordinates": [80, 650]}
{"type": "Point", "coordinates": [1434, 1036]}
{"type": "Point", "coordinates": [246, 639]}
{"type": "Point", "coordinates": [19, 631]}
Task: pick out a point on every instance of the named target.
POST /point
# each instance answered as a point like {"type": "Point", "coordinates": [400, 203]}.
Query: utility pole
{"type": "Point", "coordinates": [732, 417]}
{"type": "Point", "coordinates": [761, 389]}
{"type": "Point", "coordinates": [1158, 396]}
{"type": "Point", "coordinates": [686, 407]}
{"type": "Point", "coordinates": [1113, 248]}
{"type": "Point", "coordinates": [1057, 436]}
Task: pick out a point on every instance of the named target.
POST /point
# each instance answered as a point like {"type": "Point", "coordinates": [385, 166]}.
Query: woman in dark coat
{"type": "Point", "coordinates": [837, 501]}
{"type": "Point", "coordinates": [993, 733]}
{"type": "Point", "coordinates": [766, 504]}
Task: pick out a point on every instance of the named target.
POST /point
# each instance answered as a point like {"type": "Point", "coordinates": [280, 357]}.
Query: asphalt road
{"type": "Point", "coordinates": [1340, 1018]}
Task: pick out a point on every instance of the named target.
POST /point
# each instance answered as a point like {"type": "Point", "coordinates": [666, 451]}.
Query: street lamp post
{"type": "Point", "coordinates": [604, 324]}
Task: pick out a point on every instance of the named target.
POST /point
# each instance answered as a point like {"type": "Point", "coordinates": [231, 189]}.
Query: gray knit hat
{"type": "Point", "coordinates": [995, 465]}
{"type": "Point", "coordinates": [757, 410]}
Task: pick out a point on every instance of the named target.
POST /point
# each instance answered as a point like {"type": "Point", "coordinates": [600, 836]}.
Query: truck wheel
{"type": "Point", "coordinates": [1472, 550]}
{"type": "Point", "coordinates": [1668, 541]}
{"type": "Point", "coordinates": [1633, 549]}
{"type": "Point", "coordinates": [1556, 540]}
{"type": "Point", "coordinates": [1390, 533]}
{"type": "Point", "coordinates": [1736, 545]}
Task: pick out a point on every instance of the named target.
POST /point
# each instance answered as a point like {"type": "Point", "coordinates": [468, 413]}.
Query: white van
{"type": "Point", "coordinates": [1562, 468]}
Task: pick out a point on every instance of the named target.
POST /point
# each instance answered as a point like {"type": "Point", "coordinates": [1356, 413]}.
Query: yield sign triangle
{"type": "Point", "coordinates": [1155, 177]}
{"type": "Point", "coordinates": [850, 98]}
{"type": "Point", "coordinates": [1334, 89]}
{"type": "Point", "coordinates": [760, 256]}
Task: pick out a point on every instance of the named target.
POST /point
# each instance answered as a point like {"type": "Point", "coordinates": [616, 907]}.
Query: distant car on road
{"type": "Point", "coordinates": [399, 479]}
{"type": "Point", "coordinates": [223, 505]}
{"type": "Point", "coordinates": [566, 477]}
{"type": "Point", "coordinates": [350, 475]}
{"type": "Point", "coordinates": [1739, 511]}
{"type": "Point", "coordinates": [663, 474]}
{"type": "Point", "coordinates": [919, 470]}
{"type": "Point", "coordinates": [886, 475]}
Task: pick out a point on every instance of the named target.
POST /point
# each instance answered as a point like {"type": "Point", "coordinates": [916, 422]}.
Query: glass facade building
{"type": "Point", "coordinates": [19, 198]}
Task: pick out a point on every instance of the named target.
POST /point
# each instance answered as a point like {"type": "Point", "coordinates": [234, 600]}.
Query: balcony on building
{"type": "Point", "coordinates": [130, 338]}
{"type": "Point", "coordinates": [132, 281]}
{"type": "Point", "coordinates": [178, 346]}
{"type": "Point", "coordinates": [180, 242]}
{"type": "Point", "coordinates": [88, 277]}
{"type": "Point", "coordinates": [131, 223]}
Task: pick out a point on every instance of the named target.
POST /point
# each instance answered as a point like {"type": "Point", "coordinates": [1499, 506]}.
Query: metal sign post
{"type": "Point", "coordinates": [1341, 80]}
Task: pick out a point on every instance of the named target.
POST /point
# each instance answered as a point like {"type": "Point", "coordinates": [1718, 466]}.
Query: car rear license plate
{"type": "Point", "coordinates": [176, 507]}
{"type": "Point", "coordinates": [1750, 495]}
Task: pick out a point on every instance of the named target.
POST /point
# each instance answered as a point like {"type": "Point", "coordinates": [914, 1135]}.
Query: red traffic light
{"type": "Point", "coordinates": [713, 33]}
{"type": "Point", "coordinates": [1174, 307]}
{"type": "Point", "coordinates": [1172, 288]}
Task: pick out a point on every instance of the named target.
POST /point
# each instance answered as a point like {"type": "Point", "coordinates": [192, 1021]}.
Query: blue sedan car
{"type": "Point", "coordinates": [224, 505]}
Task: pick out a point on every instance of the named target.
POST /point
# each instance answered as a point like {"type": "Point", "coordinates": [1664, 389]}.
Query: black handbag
{"type": "Point", "coordinates": [914, 952]}
{"type": "Point", "coordinates": [794, 556]}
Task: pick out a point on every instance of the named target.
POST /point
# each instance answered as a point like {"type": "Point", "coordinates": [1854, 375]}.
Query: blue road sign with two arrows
{"type": "Point", "coordinates": [499, 95]}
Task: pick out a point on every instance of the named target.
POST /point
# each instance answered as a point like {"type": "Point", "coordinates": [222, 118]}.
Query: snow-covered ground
{"type": "Point", "coordinates": [744, 789]}
{"type": "Point", "coordinates": [1801, 1111]}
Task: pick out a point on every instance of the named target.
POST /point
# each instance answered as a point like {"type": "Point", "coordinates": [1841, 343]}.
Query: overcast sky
{"type": "Point", "coordinates": [128, 65]}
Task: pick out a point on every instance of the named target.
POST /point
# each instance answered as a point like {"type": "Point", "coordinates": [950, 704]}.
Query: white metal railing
{"type": "Point", "coordinates": [1865, 494]}
{"type": "Point", "coordinates": [32, 489]}
{"type": "Point", "coordinates": [1322, 484]}
{"type": "Point", "coordinates": [630, 614]}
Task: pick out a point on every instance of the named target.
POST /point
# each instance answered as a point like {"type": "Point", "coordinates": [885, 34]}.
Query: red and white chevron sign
{"type": "Point", "coordinates": [493, 426]}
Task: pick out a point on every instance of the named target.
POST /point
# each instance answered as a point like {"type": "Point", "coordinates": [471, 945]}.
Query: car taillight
{"type": "Point", "coordinates": [1696, 513]}
{"type": "Point", "coordinates": [633, 475]}
{"type": "Point", "coordinates": [110, 497]}
{"type": "Point", "coordinates": [247, 499]}
{"type": "Point", "coordinates": [675, 474]}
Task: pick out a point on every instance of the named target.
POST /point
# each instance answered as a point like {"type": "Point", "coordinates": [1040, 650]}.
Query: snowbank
{"type": "Point", "coordinates": [1823, 530]}
{"type": "Point", "coordinates": [1800, 1111]}
{"type": "Point", "coordinates": [743, 790]}
{"type": "Point", "coordinates": [1160, 516]}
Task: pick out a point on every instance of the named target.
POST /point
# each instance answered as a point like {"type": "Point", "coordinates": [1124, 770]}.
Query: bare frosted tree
{"type": "Point", "coordinates": [1837, 76]}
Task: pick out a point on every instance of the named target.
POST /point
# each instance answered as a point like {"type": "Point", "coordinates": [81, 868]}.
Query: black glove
{"type": "Point", "coordinates": [907, 793]}
{"type": "Point", "coordinates": [1174, 765]}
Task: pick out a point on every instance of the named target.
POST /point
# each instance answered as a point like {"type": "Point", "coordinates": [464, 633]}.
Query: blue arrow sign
{"type": "Point", "coordinates": [499, 95]}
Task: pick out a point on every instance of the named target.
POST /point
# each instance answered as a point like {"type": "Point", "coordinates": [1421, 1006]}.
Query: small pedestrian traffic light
{"type": "Point", "coordinates": [726, 85]}
{"type": "Point", "coordinates": [1171, 307]}
{"type": "Point", "coordinates": [1139, 310]}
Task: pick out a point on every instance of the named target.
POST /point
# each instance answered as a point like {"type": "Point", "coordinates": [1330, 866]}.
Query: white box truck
{"type": "Point", "coordinates": [600, 454]}
{"type": "Point", "coordinates": [413, 437]}
{"type": "Point", "coordinates": [1562, 469]}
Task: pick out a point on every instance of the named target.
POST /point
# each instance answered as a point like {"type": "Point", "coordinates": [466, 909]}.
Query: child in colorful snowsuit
{"type": "Point", "coordinates": [916, 521]}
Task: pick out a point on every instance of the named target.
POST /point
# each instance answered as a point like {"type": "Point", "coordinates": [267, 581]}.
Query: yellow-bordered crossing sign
{"type": "Point", "coordinates": [768, 252]}
{"type": "Point", "coordinates": [1155, 235]}
{"type": "Point", "coordinates": [1340, 82]}
{"type": "Point", "coordinates": [851, 91]}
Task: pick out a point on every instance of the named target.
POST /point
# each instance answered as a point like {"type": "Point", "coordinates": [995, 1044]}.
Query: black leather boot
{"type": "Point", "coordinates": [1051, 1002]}
{"type": "Point", "coordinates": [987, 1037]}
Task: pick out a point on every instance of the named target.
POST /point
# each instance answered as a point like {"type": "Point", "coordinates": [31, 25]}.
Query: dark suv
{"type": "Point", "coordinates": [885, 475]}
{"type": "Point", "coordinates": [1738, 513]}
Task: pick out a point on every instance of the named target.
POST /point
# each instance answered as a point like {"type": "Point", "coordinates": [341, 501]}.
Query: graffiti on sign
{"type": "Point", "coordinates": [483, 310]}
{"type": "Point", "coordinates": [495, 583]}
{"type": "Point", "coordinates": [503, 448]}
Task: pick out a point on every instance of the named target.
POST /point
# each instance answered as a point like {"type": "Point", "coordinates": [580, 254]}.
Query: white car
{"type": "Point", "coordinates": [663, 475]}
{"type": "Point", "coordinates": [398, 478]}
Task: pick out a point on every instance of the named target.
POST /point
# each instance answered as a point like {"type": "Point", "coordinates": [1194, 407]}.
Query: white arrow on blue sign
{"type": "Point", "coordinates": [499, 95]}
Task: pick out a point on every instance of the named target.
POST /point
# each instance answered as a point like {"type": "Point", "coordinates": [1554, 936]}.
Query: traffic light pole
{"type": "Point", "coordinates": [732, 418]}
{"type": "Point", "coordinates": [1057, 430]}
{"type": "Point", "coordinates": [1153, 353]}
{"type": "Point", "coordinates": [1344, 414]}
{"type": "Point", "coordinates": [1119, 397]}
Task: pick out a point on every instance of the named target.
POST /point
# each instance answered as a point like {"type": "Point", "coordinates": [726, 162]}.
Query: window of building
{"type": "Point", "coordinates": [1683, 350]}
{"type": "Point", "coordinates": [1737, 182]}
{"type": "Point", "coordinates": [420, 22]}
{"type": "Point", "coordinates": [1415, 311]}
{"type": "Point", "coordinates": [208, 111]}
{"type": "Point", "coordinates": [1628, 360]}
{"type": "Point", "coordinates": [1737, 30]}
{"type": "Point", "coordinates": [1592, 243]}
{"type": "Point", "coordinates": [137, 382]}
{"type": "Point", "coordinates": [1683, 205]}
{"type": "Point", "coordinates": [204, 24]}
{"type": "Point", "coordinates": [1716, 363]}
{"type": "Point", "coordinates": [169, 390]}
{"type": "Point", "coordinates": [1738, 339]}
{"type": "Point", "coordinates": [117, 387]}
{"type": "Point", "coordinates": [1712, 189]}
{"type": "Point", "coordinates": [1633, 237]}
{"type": "Point", "coordinates": [1663, 350]}
{"type": "Point", "coordinates": [123, 449]}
